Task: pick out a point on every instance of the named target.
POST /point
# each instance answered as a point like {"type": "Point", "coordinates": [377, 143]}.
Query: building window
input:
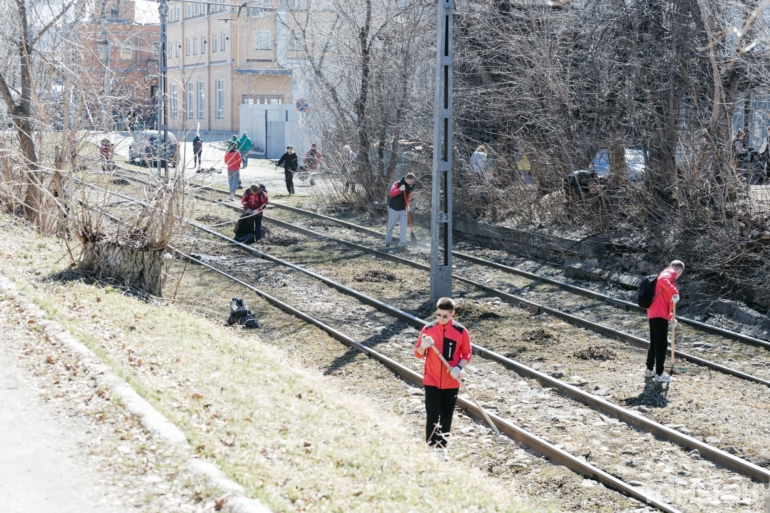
{"type": "Point", "coordinates": [187, 49]}
{"type": "Point", "coordinates": [263, 40]}
{"type": "Point", "coordinates": [262, 99]}
{"type": "Point", "coordinates": [190, 110]}
{"type": "Point", "coordinates": [224, 38]}
{"type": "Point", "coordinates": [126, 51]}
{"type": "Point", "coordinates": [297, 5]}
{"type": "Point", "coordinates": [201, 98]}
{"type": "Point", "coordinates": [178, 13]}
{"type": "Point", "coordinates": [196, 9]}
{"type": "Point", "coordinates": [295, 45]}
{"type": "Point", "coordinates": [174, 102]}
{"type": "Point", "coordinates": [188, 9]}
{"type": "Point", "coordinates": [155, 50]}
{"type": "Point", "coordinates": [203, 45]}
{"type": "Point", "coordinates": [220, 84]}
{"type": "Point", "coordinates": [214, 44]}
{"type": "Point", "coordinates": [177, 45]}
{"type": "Point", "coordinates": [195, 45]}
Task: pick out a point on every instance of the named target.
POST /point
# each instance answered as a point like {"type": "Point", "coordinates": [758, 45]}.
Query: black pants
{"type": "Point", "coordinates": [198, 158]}
{"type": "Point", "coordinates": [656, 355]}
{"type": "Point", "coordinates": [439, 406]}
{"type": "Point", "coordinates": [289, 181]}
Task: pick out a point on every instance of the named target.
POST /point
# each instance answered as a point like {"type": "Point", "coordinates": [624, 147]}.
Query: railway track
{"type": "Point", "coordinates": [628, 417]}
{"type": "Point", "coordinates": [578, 319]}
{"type": "Point", "coordinates": [613, 301]}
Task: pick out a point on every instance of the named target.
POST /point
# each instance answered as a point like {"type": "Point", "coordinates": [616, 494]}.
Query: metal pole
{"type": "Point", "coordinates": [441, 213]}
{"type": "Point", "coordinates": [162, 103]}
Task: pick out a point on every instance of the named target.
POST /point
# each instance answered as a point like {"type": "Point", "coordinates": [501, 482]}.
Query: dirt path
{"type": "Point", "coordinates": [42, 468]}
{"type": "Point", "coordinates": [66, 445]}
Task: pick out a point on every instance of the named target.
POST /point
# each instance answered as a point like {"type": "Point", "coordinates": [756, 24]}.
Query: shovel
{"type": "Point", "coordinates": [680, 370]}
{"type": "Point", "coordinates": [462, 385]}
{"type": "Point", "coordinates": [409, 217]}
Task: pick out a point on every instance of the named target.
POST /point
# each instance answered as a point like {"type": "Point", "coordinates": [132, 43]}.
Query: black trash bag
{"type": "Point", "coordinates": [245, 229]}
{"type": "Point", "coordinates": [240, 314]}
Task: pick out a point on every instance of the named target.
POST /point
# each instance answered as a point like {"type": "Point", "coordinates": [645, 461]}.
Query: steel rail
{"type": "Point", "coordinates": [630, 417]}
{"type": "Point", "coordinates": [627, 305]}
{"type": "Point", "coordinates": [621, 303]}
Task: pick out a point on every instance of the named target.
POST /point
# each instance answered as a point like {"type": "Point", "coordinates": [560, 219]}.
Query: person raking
{"type": "Point", "coordinates": [452, 340]}
{"type": "Point", "coordinates": [398, 206]}
{"type": "Point", "coordinates": [660, 313]}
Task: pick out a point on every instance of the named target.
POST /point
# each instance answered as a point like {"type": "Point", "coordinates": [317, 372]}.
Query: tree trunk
{"type": "Point", "coordinates": [141, 269]}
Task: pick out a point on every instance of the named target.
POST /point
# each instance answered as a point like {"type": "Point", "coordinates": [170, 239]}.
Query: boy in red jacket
{"type": "Point", "coordinates": [441, 385]}
{"type": "Point", "coordinates": [659, 313]}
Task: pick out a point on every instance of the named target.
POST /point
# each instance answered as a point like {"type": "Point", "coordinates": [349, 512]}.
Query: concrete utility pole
{"type": "Point", "coordinates": [441, 213]}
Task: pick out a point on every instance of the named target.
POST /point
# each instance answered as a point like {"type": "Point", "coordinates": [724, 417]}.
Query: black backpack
{"type": "Point", "coordinates": [647, 291]}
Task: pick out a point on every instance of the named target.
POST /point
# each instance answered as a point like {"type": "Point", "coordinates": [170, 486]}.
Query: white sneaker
{"type": "Point", "coordinates": [664, 378]}
{"type": "Point", "coordinates": [441, 453]}
{"type": "Point", "coordinates": [648, 373]}
{"type": "Point", "coordinates": [232, 198]}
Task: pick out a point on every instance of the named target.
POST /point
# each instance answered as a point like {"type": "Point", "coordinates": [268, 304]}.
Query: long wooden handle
{"type": "Point", "coordinates": [465, 389]}
{"type": "Point", "coordinates": [673, 336]}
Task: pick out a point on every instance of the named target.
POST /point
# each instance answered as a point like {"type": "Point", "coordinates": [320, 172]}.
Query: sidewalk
{"type": "Point", "coordinates": [43, 465]}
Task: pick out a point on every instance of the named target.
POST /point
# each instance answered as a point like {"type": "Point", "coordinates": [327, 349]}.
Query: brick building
{"type": "Point", "coordinates": [219, 59]}
{"type": "Point", "coordinates": [118, 62]}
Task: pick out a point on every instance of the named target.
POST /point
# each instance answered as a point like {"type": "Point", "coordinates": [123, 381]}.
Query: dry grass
{"type": "Point", "coordinates": [287, 434]}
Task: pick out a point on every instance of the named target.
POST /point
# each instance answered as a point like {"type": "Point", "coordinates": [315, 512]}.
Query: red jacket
{"type": "Point", "coordinates": [454, 343]}
{"type": "Point", "coordinates": [665, 289]}
{"type": "Point", "coordinates": [254, 201]}
{"type": "Point", "coordinates": [233, 161]}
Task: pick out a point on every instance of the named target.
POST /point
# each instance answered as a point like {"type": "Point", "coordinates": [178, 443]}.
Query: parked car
{"type": "Point", "coordinates": [634, 164]}
{"type": "Point", "coordinates": [147, 148]}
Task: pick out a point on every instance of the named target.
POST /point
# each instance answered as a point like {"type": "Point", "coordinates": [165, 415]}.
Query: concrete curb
{"type": "Point", "coordinates": [152, 420]}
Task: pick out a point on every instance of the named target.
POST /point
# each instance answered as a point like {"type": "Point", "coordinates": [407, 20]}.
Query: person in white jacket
{"type": "Point", "coordinates": [478, 163]}
{"type": "Point", "coordinates": [764, 151]}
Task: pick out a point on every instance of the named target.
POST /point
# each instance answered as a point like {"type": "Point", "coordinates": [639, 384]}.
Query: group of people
{"type": "Point", "coordinates": [290, 164]}
{"type": "Point", "coordinates": [236, 158]}
{"type": "Point", "coordinates": [448, 339]}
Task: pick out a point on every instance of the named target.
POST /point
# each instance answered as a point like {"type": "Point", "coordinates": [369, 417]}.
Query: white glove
{"type": "Point", "coordinates": [407, 209]}
{"type": "Point", "coordinates": [426, 342]}
{"type": "Point", "coordinates": [675, 298]}
{"type": "Point", "coordinates": [673, 323]}
{"type": "Point", "coordinates": [402, 188]}
{"type": "Point", "coordinates": [455, 372]}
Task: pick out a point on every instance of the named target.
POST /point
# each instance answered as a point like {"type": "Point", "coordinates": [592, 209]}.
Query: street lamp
{"type": "Point", "coordinates": [441, 211]}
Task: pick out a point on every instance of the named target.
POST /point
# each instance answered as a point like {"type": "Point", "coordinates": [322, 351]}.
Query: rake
{"type": "Point", "coordinates": [409, 216]}
{"type": "Point", "coordinates": [463, 387]}
{"type": "Point", "coordinates": [674, 369]}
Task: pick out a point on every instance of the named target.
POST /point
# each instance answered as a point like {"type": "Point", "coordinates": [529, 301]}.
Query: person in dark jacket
{"type": "Point", "coordinates": [398, 206]}
{"type": "Point", "coordinates": [197, 151]}
{"type": "Point", "coordinates": [660, 313]}
{"type": "Point", "coordinates": [289, 162]}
